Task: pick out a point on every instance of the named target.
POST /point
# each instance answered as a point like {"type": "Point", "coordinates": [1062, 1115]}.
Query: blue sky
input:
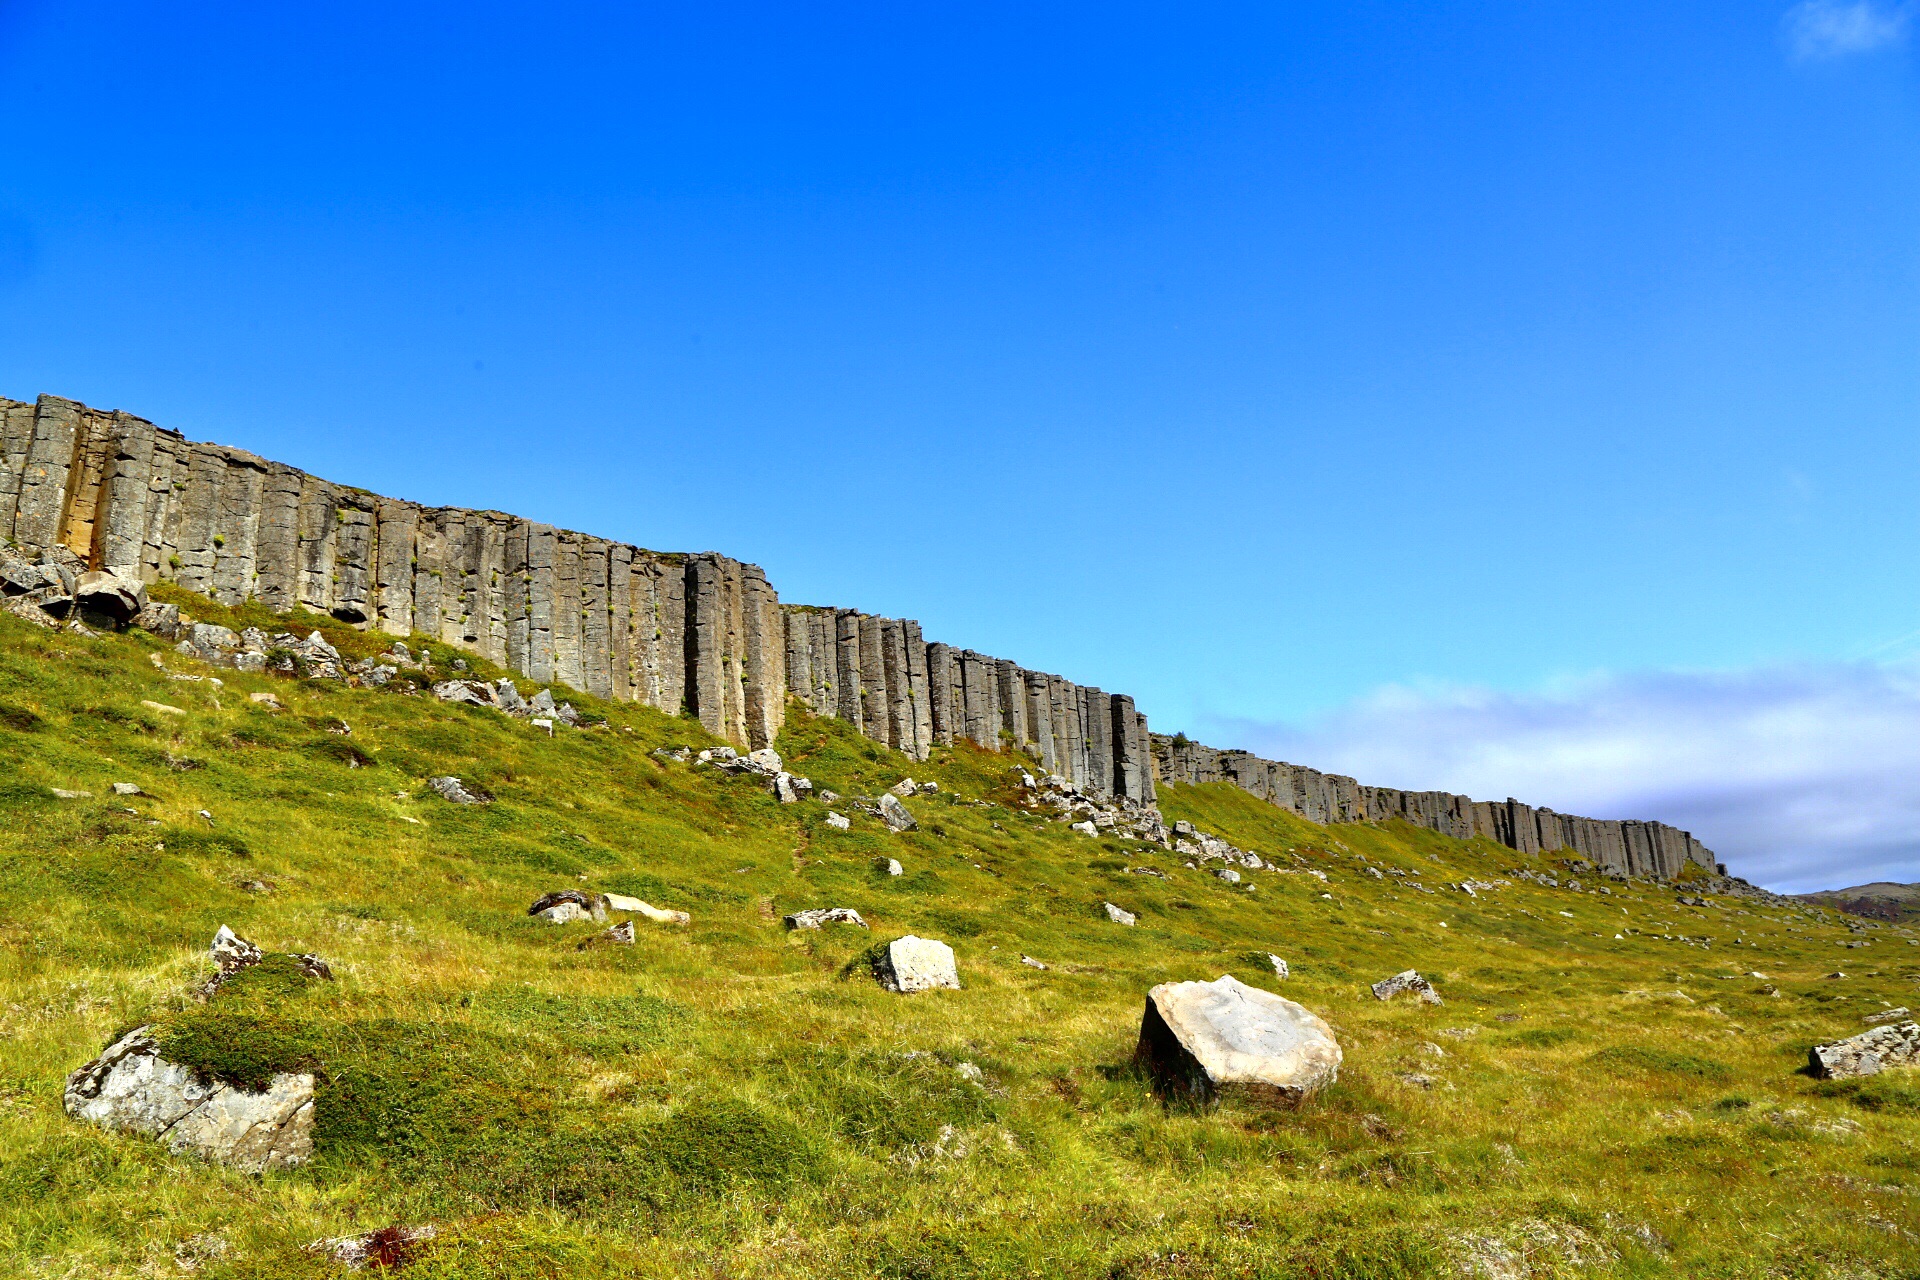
{"type": "Point", "coordinates": [1375, 384]}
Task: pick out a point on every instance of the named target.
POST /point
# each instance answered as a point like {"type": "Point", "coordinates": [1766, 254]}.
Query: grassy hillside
{"type": "Point", "coordinates": [1603, 1091]}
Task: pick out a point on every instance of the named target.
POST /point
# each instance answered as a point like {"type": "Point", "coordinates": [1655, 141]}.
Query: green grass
{"type": "Point", "coordinates": [731, 1099]}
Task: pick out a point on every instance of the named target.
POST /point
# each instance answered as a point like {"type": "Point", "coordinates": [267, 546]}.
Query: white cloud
{"type": "Point", "coordinates": [1821, 29]}
{"type": "Point", "coordinates": [1800, 778]}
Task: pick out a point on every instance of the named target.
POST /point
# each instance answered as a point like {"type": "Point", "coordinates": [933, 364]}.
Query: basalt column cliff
{"type": "Point", "coordinates": [698, 634]}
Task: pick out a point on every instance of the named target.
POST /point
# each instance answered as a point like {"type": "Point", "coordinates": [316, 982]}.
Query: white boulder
{"type": "Point", "coordinates": [1207, 1039]}
{"type": "Point", "coordinates": [1895, 1045]}
{"type": "Point", "coordinates": [912, 964]}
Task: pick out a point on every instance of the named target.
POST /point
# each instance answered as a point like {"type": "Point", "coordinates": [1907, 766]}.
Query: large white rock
{"type": "Point", "coordinates": [1205, 1039]}
{"type": "Point", "coordinates": [912, 964]}
{"type": "Point", "coordinates": [1869, 1052]}
{"type": "Point", "coordinates": [131, 1088]}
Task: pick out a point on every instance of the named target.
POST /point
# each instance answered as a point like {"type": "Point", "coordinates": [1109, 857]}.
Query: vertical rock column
{"type": "Point", "coordinates": [941, 709]}
{"type": "Point", "coordinates": [918, 689]}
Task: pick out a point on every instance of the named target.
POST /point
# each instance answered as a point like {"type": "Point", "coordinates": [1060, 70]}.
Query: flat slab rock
{"type": "Point", "coordinates": [1207, 1039]}
{"type": "Point", "coordinates": [1896, 1045]}
{"type": "Point", "coordinates": [132, 1089]}
{"type": "Point", "coordinates": [912, 964]}
{"type": "Point", "coordinates": [819, 917]}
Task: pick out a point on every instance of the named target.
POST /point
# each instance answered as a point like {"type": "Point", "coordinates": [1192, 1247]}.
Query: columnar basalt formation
{"type": "Point", "coordinates": [1628, 848]}
{"type": "Point", "coordinates": [695, 634]}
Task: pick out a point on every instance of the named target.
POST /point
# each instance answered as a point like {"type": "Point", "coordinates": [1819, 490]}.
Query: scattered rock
{"type": "Point", "coordinates": [232, 953]}
{"type": "Point", "coordinates": [63, 794]}
{"type": "Point", "coordinates": [127, 789]}
{"type": "Point", "coordinates": [1031, 963]}
{"type": "Point", "coordinates": [903, 788]}
{"type": "Point", "coordinates": [1084, 828]}
{"type": "Point", "coordinates": [1228, 874]}
{"type": "Point", "coordinates": [621, 933]}
{"type": "Point", "coordinates": [564, 906]}
{"type": "Point", "coordinates": [783, 789]}
{"type": "Point", "coordinates": [1119, 916]}
{"type": "Point", "coordinates": [266, 700]}
{"type": "Point", "coordinates": [838, 821]}
{"type": "Point", "coordinates": [109, 597]}
{"type": "Point", "coordinates": [132, 1089]}
{"type": "Point", "coordinates": [389, 1247]}
{"type": "Point", "coordinates": [912, 964]}
{"type": "Point", "coordinates": [1408, 980]}
{"type": "Point", "coordinates": [891, 866]}
{"type": "Point", "coordinates": [453, 789]}
{"type": "Point", "coordinates": [1889, 1015]}
{"type": "Point", "coordinates": [1205, 1039]}
{"type": "Point", "coordinates": [819, 917]}
{"type": "Point", "coordinates": [621, 902]}
{"type": "Point", "coordinates": [1867, 1053]}
{"type": "Point", "coordinates": [895, 814]}
{"type": "Point", "coordinates": [1279, 965]}
{"type": "Point", "coordinates": [161, 707]}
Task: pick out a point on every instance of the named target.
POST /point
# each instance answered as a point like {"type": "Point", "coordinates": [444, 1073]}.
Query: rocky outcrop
{"type": "Point", "coordinates": [131, 1088]}
{"type": "Point", "coordinates": [86, 492]}
{"type": "Point", "coordinates": [1651, 849]}
{"type": "Point", "coordinates": [1208, 1039]}
{"type": "Point", "coordinates": [1868, 1053]}
{"type": "Point", "coordinates": [1407, 980]}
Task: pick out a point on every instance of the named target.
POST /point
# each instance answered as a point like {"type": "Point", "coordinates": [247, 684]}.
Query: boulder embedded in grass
{"type": "Point", "coordinates": [1868, 1053]}
{"type": "Point", "coordinates": [819, 917]}
{"type": "Point", "coordinates": [912, 964]}
{"type": "Point", "coordinates": [895, 814]}
{"type": "Point", "coordinates": [567, 905]}
{"type": "Point", "coordinates": [1207, 1039]}
{"type": "Point", "coordinates": [453, 789]}
{"type": "Point", "coordinates": [1406, 980]}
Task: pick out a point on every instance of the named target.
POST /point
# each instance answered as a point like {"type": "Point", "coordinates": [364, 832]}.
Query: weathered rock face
{"type": "Point", "coordinates": [453, 789]}
{"type": "Point", "coordinates": [895, 814]}
{"type": "Point", "coordinates": [1206, 1039]}
{"type": "Point", "coordinates": [131, 1088]}
{"type": "Point", "coordinates": [567, 905]}
{"type": "Point", "coordinates": [114, 499]}
{"type": "Point", "coordinates": [912, 964]}
{"type": "Point", "coordinates": [1867, 1053]}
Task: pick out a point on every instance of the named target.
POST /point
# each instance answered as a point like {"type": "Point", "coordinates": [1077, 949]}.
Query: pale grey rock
{"type": "Point", "coordinates": [266, 700]}
{"type": "Point", "coordinates": [783, 790]}
{"type": "Point", "coordinates": [458, 792]}
{"type": "Point", "coordinates": [765, 760]}
{"type": "Point", "coordinates": [891, 866]}
{"type": "Point", "coordinates": [912, 964]}
{"type": "Point", "coordinates": [1085, 828]}
{"type": "Point", "coordinates": [471, 692]}
{"type": "Point", "coordinates": [1279, 965]}
{"type": "Point", "coordinates": [127, 789]}
{"type": "Point", "coordinates": [1031, 963]}
{"type": "Point", "coordinates": [803, 784]}
{"type": "Point", "coordinates": [1895, 1045]}
{"type": "Point", "coordinates": [61, 793]}
{"type": "Point", "coordinates": [1207, 1039]}
{"type": "Point", "coordinates": [1119, 916]}
{"type": "Point", "coordinates": [111, 596]}
{"type": "Point", "coordinates": [621, 933]}
{"type": "Point", "coordinates": [621, 902]}
{"type": "Point", "coordinates": [1887, 1015]}
{"type": "Point", "coordinates": [820, 917]}
{"type": "Point", "coordinates": [903, 788]}
{"type": "Point", "coordinates": [929, 788]}
{"type": "Point", "coordinates": [838, 821]}
{"type": "Point", "coordinates": [564, 913]}
{"type": "Point", "coordinates": [1227, 874]}
{"type": "Point", "coordinates": [131, 1089]}
{"type": "Point", "coordinates": [543, 723]}
{"type": "Point", "coordinates": [895, 814]}
{"type": "Point", "coordinates": [564, 906]}
{"type": "Point", "coordinates": [1407, 980]}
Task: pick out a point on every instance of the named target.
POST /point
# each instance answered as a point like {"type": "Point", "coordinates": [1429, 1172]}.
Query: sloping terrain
{"type": "Point", "coordinates": [1881, 900]}
{"type": "Point", "coordinates": [1611, 1086]}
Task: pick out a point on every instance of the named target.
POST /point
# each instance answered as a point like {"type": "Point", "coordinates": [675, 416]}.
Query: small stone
{"type": "Point", "coordinates": [63, 794]}
{"type": "Point", "coordinates": [161, 707]}
{"type": "Point", "coordinates": [567, 905]}
{"type": "Point", "coordinates": [838, 821]}
{"type": "Point", "coordinates": [890, 866]}
{"type": "Point", "coordinates": [912, 964]}
{"type": "Point", "coordinates": [819, 917]}
{"type": "Point", "coordinates": [390, 1248]}
{"type": "Point", "coordinates": [621, 933]}
{"type": "Point", "coordinates": [127, 789]}
{"type": "Point", "coordinates": [1084, 828]}
{"type": "Point", "coordinates": [1119, 916]}
{"type": "Point", "coordinates": [1888, 1015]}
{"type": "Point", "coordinates": [1228, 874]}
{"type": "Point", "coordinates": [1031, 963]}
{"type": "Point", "coordinates": [969, 1072]}
{"type": "Point", "coordinates": [1279, 965]}
{"type": "Point", "coordinates": [895, 814]}
{"type": "Point", "coordinates": [1205, 1039]}
{"type": "Point", "coordinates": [543, 723]}
{"type": "Point", "coordinates": [903, 788]}
{"type": "Point", "coordinates": [783, 789]}
{"type": "Point", "coordinates": [1407, 980]}
{"type": "Point", "coordinates": [266, 700]}
{"type": "Point", "coordinates": [458, 792]}
{"type": "Point", "coordinates": [929, 788]}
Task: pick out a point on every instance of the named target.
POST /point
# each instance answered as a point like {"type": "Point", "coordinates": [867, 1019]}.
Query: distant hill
{"type": "Point", "coordinates": [1881, 900]}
